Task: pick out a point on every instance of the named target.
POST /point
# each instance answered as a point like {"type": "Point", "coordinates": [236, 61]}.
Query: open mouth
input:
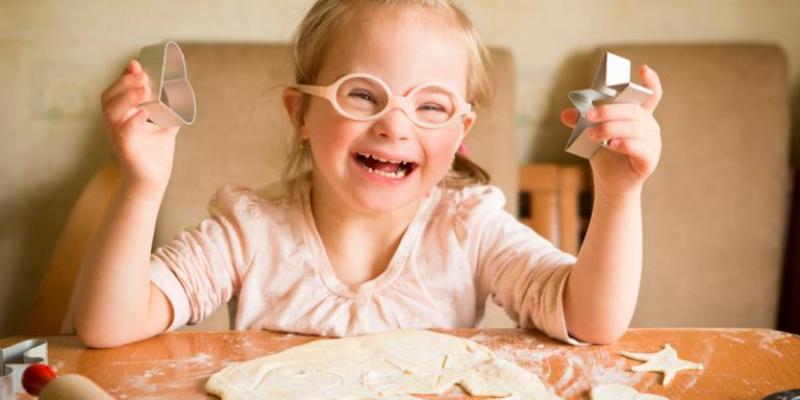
{"type": "Point", "coordinates": [394, 169]}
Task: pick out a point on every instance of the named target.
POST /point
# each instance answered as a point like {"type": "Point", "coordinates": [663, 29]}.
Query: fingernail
{"type": "Point", "coordinates": [591, 114]}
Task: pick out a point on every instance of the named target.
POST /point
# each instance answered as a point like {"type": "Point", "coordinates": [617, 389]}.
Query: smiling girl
{"type": "Point", "coordinates": [380, 224]}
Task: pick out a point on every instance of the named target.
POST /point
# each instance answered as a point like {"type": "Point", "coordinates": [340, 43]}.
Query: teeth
{"type": "Point", "coordinates": [394, 175]}
{"type": "Point", "coordinates": [381, 159]}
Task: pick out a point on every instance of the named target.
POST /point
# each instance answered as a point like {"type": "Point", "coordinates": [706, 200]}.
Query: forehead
{"type": "Point", "coordinates": [405, 46]}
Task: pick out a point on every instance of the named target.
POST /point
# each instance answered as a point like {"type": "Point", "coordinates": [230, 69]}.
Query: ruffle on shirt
{"type": "Point", "coordinates": [472, 200]}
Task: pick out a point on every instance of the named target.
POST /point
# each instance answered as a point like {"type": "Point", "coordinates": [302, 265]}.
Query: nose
{"type": "Point", "coordinates": [394, 125]}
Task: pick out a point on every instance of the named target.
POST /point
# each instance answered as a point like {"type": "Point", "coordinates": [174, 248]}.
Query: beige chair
{"type": "Point", "coordinates": [241, 136]}
{"type": "Point", "coordinates": [715, 210]}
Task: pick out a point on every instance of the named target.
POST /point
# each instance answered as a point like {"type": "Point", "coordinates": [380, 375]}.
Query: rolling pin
{"type": "Point", "coordinates": [40, 380]}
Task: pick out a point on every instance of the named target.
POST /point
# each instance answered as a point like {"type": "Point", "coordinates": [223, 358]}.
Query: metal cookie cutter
{"type": "Point", "coordinates": [13, 361]}
{"type": "Point", "coordinates": [172, 100]}
{"type": "Point", "coordinates": [611, 85]}
{"type": "Point", "coordinates": [793, 394]}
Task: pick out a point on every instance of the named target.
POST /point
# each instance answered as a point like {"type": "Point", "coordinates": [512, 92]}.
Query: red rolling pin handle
{"type": "Point", "coordinates": [36, 377]}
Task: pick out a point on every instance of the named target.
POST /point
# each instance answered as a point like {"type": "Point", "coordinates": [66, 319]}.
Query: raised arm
{"type": "Point", "coordinates": [116, 302]}
{"type": "Point", "coordinates": [601, 291]}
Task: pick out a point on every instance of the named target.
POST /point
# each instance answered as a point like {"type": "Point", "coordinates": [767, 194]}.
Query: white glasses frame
{"type": "Point", "coordinates": [393, 100]}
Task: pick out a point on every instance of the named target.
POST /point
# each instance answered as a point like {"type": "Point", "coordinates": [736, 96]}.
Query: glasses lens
{"type": "Point", "coordinates": [433, 105]}
{"type": "Point", "coordinates": [361, 97]}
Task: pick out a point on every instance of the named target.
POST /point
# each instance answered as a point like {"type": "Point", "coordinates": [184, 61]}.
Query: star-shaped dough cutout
{"type": "Point", "coordinates": [665, 361]}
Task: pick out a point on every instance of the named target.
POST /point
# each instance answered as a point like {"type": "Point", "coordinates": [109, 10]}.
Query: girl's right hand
{"type": "Point", "coordinates": [145, 150]}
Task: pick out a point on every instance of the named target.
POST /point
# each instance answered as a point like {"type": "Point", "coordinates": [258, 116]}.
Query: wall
{"type": "Point", "coordinates": [56, 57]}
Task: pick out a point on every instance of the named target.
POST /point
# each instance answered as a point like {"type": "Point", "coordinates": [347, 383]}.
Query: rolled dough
{"type": "Point", "coordinates": [390, 365]}
{"type": "Point", "coordinates": [621, 392]}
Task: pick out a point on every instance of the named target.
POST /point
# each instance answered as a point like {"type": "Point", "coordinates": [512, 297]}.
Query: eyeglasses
{"type": "Point", "coordinates": [365, 97]}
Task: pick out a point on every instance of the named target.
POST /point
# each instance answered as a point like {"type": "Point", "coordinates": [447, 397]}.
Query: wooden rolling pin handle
{"type": "Point", "coordinates": [73, 387]}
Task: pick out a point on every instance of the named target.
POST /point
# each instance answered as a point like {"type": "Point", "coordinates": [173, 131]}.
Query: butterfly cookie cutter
{"type": "Point", "coordinates": [13, 361]}
{"type": "Point", "coordinates": [611, 85]}
{"type": "Point", "coordinates": [172, 100]}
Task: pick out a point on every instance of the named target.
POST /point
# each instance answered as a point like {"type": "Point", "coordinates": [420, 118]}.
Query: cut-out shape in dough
{"type": "Point", "coordinates": [665, 361]}
{"type": "Point", "coordinates": [390, 365]}
{"type": "Point", "coordinates": [621, 392]}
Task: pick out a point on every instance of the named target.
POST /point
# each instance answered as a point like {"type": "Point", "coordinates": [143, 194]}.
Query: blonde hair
{"type": "Point", "coordinates": [317, 31]}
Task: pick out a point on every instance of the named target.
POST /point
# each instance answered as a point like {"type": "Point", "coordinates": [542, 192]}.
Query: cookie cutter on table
{"type": "Point", "coordinates": [172, 100]}
{"type": "Point", "coordinates": [611, 85]}
{"type": "Point", "coordinates": [793, 394]}
{"type": "Point", "coordinates": [13, 361]}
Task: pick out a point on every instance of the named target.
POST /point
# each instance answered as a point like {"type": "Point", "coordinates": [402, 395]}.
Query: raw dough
{"type": "Point", "coordinates": [621, 392]}
{"type": "Point", "coordinates": [383, 366]}
{"type": "Point", "coordinates": [665, 361]}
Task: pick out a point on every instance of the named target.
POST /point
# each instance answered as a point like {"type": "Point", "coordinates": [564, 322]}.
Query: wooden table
{"type": "Point", "coordinates": [739, 363]}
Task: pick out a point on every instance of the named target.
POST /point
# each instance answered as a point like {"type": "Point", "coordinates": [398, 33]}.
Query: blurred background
{"type": "Point", "coordinates": [56, 57]}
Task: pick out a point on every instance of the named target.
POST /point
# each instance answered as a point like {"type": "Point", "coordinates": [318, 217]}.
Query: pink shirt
{"type": "Point", "coordinates": [263, 252]}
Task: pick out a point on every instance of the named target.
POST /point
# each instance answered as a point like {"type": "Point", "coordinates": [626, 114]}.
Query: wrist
{"type": "Point", "coordinates": [142, 192]}
{"type": "Point", "coordinates": [618, 198]}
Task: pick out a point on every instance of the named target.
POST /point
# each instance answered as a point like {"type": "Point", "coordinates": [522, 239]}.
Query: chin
{"type": "Point", "coordinates": [373, 201]}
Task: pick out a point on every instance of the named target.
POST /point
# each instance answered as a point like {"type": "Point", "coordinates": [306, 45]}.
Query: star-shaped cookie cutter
{"type": "Point", "coordinates": [611, 85]}
{"type": "Point", "coordinates": [172, 100]}
{"type": "Point", "coordinates": [665, 361]}
{"type": "Point", "coordinates": [13, 361]}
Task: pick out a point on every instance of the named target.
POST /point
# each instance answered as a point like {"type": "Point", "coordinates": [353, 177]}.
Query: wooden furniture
{"type": "Point", "coordinates": [738, 363]}
{"type": "Point", "coordinates": [553, 193]}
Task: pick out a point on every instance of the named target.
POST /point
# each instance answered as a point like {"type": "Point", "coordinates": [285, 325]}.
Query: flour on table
{"type": "Point", "coordinates": [665, 361]}
{"type": "Point", "coordinates": [621, 392]}
{"type": "Point", "coordinates": [390, 365]}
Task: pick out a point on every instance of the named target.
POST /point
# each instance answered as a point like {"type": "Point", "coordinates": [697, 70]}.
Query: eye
{"type": "Point", "coordinates": [431, 107]}
{"type": "Point", "coordinates": [363, 95]}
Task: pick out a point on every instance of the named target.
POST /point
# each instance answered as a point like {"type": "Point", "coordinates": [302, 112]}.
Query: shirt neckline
{"type": "Point", "coordinates": [322, 264]}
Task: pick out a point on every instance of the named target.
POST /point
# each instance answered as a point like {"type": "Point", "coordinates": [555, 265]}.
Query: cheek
{"type": "Point", "coordinates": [331, 138]}
{"type": "Point", "coordinates": [440, 147]}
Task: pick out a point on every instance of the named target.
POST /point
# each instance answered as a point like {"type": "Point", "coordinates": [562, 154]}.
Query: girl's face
{"type": "Point", "coordinates": [405, 47]}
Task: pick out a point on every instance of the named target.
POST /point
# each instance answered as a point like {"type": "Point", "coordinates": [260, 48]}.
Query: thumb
{"type": "Point", "coordinates": [569, 117]}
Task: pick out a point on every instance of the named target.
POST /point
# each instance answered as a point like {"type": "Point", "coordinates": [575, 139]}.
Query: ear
{"type": "Point", "coordinates": [293, 104]}
{"type": "Point", "coordinates": [468, 122]}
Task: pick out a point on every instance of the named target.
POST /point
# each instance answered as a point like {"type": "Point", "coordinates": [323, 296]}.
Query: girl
{"type": "Point", "coordinates": [381, 224]}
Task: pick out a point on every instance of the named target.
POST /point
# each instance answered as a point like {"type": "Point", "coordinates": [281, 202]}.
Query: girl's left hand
{"type": "Point", "coordinates": [634, 141]}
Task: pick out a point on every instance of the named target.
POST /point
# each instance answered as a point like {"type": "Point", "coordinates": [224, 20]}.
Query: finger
{"type": "Point", "coordinates": [569, 117]}
{"type": "Point", "coordinates": [118, 108]}
{"type": "Point", "coordinates": [617, 112]}
{"type": "Point", "coordinates": [125, 82]}
{"type": "Point", "coordinates": [136, 66]}
{"type": "Point", "coordinates": [616, 130]}
{"type": "Point", "coordinates": [642, 156]}
{"type": "Point", "coordinates": [134, 121]}
{"type": "Point", "coordinates": [651, 81]}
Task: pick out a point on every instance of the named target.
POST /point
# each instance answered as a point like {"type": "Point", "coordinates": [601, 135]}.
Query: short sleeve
{"type": "Point", "coordinates": [202, 267]}
{"type": "Point", "coordinates": [523, 272]}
